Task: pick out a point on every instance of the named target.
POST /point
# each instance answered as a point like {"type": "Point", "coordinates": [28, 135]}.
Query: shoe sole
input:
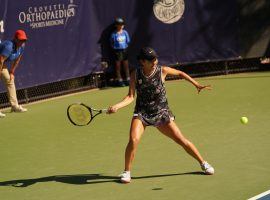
{"type": "Point", "coordinates": [125, 182]}
{"type": "Point", "coordinates": [18, 111]}
{"type": "Point", "coordinates": [208, 173]}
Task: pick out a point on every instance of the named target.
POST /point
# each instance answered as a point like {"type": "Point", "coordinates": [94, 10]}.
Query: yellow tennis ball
{"type": "Point", "coordinates": [244, 120]}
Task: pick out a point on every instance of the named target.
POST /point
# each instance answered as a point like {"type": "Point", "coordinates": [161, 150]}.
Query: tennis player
{"type": "Point", "coordinates": [152, 108]}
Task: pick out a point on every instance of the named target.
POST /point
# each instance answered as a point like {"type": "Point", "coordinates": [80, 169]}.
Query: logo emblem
{"type": "Point", "coordinates": [169, 11]}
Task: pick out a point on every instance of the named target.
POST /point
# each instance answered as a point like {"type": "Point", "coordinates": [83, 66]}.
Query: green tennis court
{"type": "Point", "coordinates": [44, 157]}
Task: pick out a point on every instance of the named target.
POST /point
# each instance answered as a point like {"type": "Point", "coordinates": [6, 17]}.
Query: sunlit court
{"type": "Point", "coordinates": [134, 100]}
{"type": "Point", "coordinates": [45, 156]}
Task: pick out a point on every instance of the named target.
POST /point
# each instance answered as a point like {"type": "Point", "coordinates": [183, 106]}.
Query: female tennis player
{"type": "Point", "coordinates": [152, 108]}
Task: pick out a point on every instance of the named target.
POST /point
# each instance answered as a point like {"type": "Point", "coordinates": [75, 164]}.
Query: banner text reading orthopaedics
{"type": "Point", "coordinates": [50, 15]}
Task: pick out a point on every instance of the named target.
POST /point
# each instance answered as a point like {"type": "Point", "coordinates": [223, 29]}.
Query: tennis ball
{"type": "Point", "coordinates": [244, 120]}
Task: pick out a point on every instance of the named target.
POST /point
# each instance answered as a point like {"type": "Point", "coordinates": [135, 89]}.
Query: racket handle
{"type": "Point", "coordinates": [104, 110]}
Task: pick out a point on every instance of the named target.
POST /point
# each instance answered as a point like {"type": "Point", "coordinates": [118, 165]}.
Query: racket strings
{"type": "Point", "coordinates": [79, 114]}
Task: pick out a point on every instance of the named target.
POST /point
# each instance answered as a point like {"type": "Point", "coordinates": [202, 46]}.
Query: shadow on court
{"type": "Point", "coordinates": [83, 179]}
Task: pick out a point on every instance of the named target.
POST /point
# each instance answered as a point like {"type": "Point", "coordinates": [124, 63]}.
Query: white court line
{"type": "Point", "coordinates": [260, 195]}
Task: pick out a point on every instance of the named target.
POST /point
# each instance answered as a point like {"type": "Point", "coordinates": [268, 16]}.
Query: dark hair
{"type": "Point", "coordinates": [147, 53]}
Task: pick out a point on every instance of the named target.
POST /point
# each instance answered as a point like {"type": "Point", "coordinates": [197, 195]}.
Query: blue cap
{"type": "Point", "coordinates": [119, 20]}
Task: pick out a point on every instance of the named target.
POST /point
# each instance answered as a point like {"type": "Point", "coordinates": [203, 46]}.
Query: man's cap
{"type": "Point", "coordinates": [119, 20]}
{"type": "Point", "coordinates": [20, 35]}
{"type": "Point", "coordinates": [147, 53]}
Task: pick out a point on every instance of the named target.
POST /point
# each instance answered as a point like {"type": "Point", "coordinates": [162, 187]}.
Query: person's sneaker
{"type": "Point", "coordinates": [125, 177]}
{"type": "Point", "coordinates": [207, 168]}
{"type": "Point", "coordinates": [120, 84]}
{"type": "Point", "coordinates": [265, 60]}
{"type": "Point", "coordinates": [18, 108]}
{"type": "Point", "coordinates": [2, 115]}
{"type": "Point", "coordinates": [126, 82]}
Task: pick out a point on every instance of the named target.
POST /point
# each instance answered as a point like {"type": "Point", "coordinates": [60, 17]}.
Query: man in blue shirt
{"type": "Point", "coordinates": [120, 41]}
{"type": "Point", "coordinates": [10, 55]}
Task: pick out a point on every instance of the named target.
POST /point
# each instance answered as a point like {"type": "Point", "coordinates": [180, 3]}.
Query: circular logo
{"type": "Point", "coordinates": [169, 11]}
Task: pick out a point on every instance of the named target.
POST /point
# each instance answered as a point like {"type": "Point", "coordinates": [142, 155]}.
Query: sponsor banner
{"type": "Point", "coordinates": [70, 38]}
{"type": "Point", "coordinates": [46, 15]}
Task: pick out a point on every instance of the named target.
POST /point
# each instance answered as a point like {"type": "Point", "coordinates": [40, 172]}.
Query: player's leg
{"type": "Point", "coordinates": [11, 91]}
{"type": "Point", "coordinates": [118, 69]}
{"type": "Point", "coordinates": [118, 73]}
{"type": "Point", "coordinates": [126, 69]}
{"type": "Point", "coordinates": [136, 131]}
{"type": "Point", "coordinates": [172, 131]}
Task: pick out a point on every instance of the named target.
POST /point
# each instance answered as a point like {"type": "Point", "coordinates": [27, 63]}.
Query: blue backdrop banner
{"type": "Point", "coordinates": [69, 38]}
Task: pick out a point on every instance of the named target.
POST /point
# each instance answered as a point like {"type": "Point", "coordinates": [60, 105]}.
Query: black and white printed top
{"type": "Point", "coordinates": [151, 104]}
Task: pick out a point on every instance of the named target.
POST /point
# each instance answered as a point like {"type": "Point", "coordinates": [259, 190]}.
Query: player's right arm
{"type": "Point", "coordinates": [127, 99]}
{"type": "Point", "coordinates": [5, 53]}
{"type": "Point", "coordinates": [2, 60]}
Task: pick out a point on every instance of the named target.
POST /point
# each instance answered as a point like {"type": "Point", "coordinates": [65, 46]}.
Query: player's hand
{"type": "Point", "coordinates": [202, 87]}
{"type": "Point", "coordinates": [112, 109]}
{"type": "Point", "coordinates": [11, 77]}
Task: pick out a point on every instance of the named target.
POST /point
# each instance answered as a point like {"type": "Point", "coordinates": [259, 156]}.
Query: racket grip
{"type": "Point", "coordinates": [104, 110]}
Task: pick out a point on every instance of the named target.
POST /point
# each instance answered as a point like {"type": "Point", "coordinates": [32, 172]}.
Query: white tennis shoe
{"type": "Point", "coordinates": [125, 177]}
{"type": "Point", "coordinates": [2, 115]}
{"type": "Point", "coordinates": [18, 109]}
{"type": "Point", "coordinates": [207, 168]}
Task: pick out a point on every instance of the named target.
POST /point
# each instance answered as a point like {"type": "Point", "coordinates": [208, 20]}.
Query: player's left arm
{"type": "Point", "coordinates": [14, 66]}
{"type": "Point", "coordinates": [127, 37]}
{"type": "Point", "coordinates": [170, 71]}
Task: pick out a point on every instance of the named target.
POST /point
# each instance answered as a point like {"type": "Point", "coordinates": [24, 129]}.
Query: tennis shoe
{"type": "Point", "coordinates": [265, 60]}
{"type": "Point", "coordinates": [18, 109]}
{"type": "Point", "coordinates": [126, 82]}
{"type": "Point", "coordinates": [125, 177]}
{"type": "Point", "coordinates": [120, 83]}
{"type": "Point", "coordinates": [2, 115]}
{"type": "Point", "coordinates": [207, 168]}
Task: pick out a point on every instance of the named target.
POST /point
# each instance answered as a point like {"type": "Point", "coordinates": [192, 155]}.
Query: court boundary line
{"type": "Point", "coordinates": [260, 195]}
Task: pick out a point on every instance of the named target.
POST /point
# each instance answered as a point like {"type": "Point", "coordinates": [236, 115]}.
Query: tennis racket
{"type": "Point", "coordinates": [80, 114]}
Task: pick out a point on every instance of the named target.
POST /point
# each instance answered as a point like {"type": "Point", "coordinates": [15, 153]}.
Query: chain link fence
{"type": "Point", "coordinates": [101, 79]}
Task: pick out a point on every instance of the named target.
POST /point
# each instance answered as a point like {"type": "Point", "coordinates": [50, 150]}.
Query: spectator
{"type": "Point", "coordinates": [10, 55]}
{"type": "Point", "coordinates": [120, 41]}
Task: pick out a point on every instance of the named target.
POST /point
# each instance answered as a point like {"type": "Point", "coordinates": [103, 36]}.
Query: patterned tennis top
{"type": "Point", "coordinates": [151, 104]}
